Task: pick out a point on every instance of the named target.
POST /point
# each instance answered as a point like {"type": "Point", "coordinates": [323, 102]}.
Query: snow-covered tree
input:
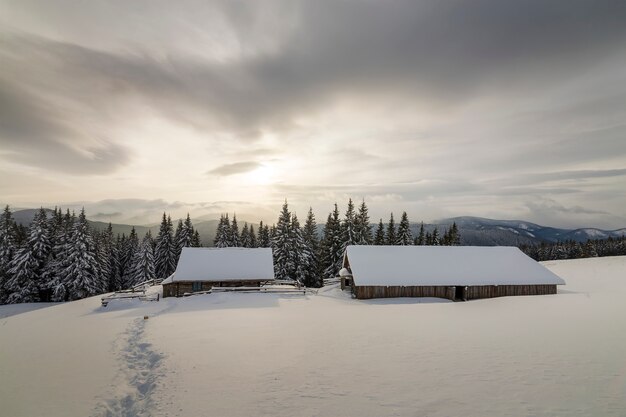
{"type": "Point", "coordinates": [264, 236]}
{"type": "Point", "coordinates": [22, 285]}
{"type": "Point", "coordinates": [405, 237]}
{"type": "Point", "coordinates": [7, 250]}
{"type": "Point", "coordinates": [379, 237]}
{"type": "Point", "coordinates": [81, 272]}
{"type": "Point", "coordinates": [363, 228]}
{"type": "Point", "coordinates": [302, 253]}
{"type": "Point", "coordinates": [165, 252]}
{"type": "Point", "coordinates": [222, 234]}
{"type": "Point", "coordinates": [331, 252]}
{"type": "Point", "coordinates": [253, 239]}
{"type": "Point", "coordinates": [245, 236]}
{"type": "Point", "coordinates": [196, 242]}
{"type": "Point", "coordinates": [311, 276]}
{"type": "Point", "coordinates": [129, 248]}
{"type": "Point", "coordinates": [54, 275]}
{"type": "Point", "coordinates": [349, 226]}
{"type": "Point", "coordinates": [421, 238]}
{"type": "Point", "coordinates": [183, 236]}
{"type": "Point", "coordinates": [234, 233]}
{"type": "Point", "coordinates": [390, 236]}
{"type": "Point", "coordinates": [143, 261]}
{"type": "Point", "coordinates": [282, 246]}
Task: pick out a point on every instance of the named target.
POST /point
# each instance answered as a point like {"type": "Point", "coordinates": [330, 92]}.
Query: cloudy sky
{"type": "Point", "coordinates": [503, 109]}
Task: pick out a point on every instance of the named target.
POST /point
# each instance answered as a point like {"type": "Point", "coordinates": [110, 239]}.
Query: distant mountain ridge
{"type": "Point", "coordinates": [482, 231]}
{"type": "Point", "coordinates": [475, 231]}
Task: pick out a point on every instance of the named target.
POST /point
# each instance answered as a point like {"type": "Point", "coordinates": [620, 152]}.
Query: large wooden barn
{"type": "Point", "coordinates": [452, 272]}
{"type": "Point", "coordinates": [200, 269]}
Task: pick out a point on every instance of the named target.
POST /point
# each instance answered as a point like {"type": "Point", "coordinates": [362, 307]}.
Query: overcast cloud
{"type": "Point", "coordinates": [491, 108]}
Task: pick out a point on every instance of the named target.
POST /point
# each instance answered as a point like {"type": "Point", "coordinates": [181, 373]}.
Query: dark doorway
{"type": "Point", "coordinates": [459, 293]}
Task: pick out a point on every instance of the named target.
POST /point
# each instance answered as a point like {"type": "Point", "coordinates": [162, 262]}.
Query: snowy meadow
{"type": "Point", "coordinates": [326, 354]}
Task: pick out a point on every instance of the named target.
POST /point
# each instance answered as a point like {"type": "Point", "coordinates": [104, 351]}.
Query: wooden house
{"type": "Point", "coordinates": [201, 269]}
{"type": "Point", "coordinates": [452, 272]}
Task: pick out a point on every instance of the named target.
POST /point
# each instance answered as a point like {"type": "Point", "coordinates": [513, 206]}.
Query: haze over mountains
{"type": "Point", "coordinates": [476, 231]}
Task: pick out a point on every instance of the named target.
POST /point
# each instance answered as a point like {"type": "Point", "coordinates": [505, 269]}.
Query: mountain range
{"type": "Point", "coordinates": [475, 231]}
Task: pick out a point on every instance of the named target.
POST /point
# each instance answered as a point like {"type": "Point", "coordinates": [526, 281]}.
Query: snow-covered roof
{"type": "Point", "coordinates": [224, 264]}
{"type": "Point", "coordinates": [445, 265]}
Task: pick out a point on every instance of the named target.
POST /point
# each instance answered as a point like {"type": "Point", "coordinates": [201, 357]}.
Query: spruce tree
{"type": "Point", "coordinates": [222, 234]}
{"type": "Point", "coordinates": [379, 238]}
{"type": "Point", "coordinates": [405, 236]}
{"type": "Point", "coordinates": [390, 236]}
{"type": "Point", "coordinates": [165, 252]}
{"type": "Point", "coordinates": [311, 276]}
{"type": "Point", "coordinates": [196, 242]}
{"type": "Point", "coordinates": [455, 236]}
{"type": "Point", "coordinates": [7, 250]}
{"type": "Point", "coordinates": [143, 261]}
{"type": "Point", "coordinates": [253, 239]}
{"type": "Point", "coordinates": [303, 253]}
{"type": "Point", "coordinates": [282, 246]}
{"type": "Point", "coordinates": [332, 245]}
{"type": "Point", "coordinates": [81, 271]}
{"type": "Point", "coordinates": [421, 238]}
{"type": "Point", "coordinates": [348, 227]}
{"type": "Point", "coordinates": [435, 238]}
{"type": "Point", "coordinates": [131, 245]}
{"type": "Point", "coordinates": [363, 229]}
{"type": "Point", "coordinates": [264, 236]}
{"type": "Point", "coordinates": [184, 235]}
{"type": "Point", "coordinates": [234, 233]}
{"type": "Point", "coordinates": [177, 239]}
{"type": "Point", "coordinates": [55, 277]}
{"type": "Point", "coordinates": [22, 286]}
{"type": "Point", "coordinates": [245, 236]}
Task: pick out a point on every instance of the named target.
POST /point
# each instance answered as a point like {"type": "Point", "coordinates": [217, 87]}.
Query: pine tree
{"type": "Point", "coordinates": [390, 236]}
{"type": "Point", "coordinates": [39, 240]}
{"type": "Point", "coordinates": [405, 237]}
{"type": "Point", "coordinates": [54, 276]}
{"type": "Point", "coordinates": [245, 236]}
{"type": "Point", "coordinates": [143, 261]}
{"type": "Point", "coordinates": [302, 255]}
{"type": "Point", "coordinates": [196, 242]}
{"type": "Point", "coordinates": [131, 246]}
{"type": "Point", "coordinates": [264, 236]}
{"type": "Point", "coordinates": [379, 238]}
{"type": "Point", "coordinates": [22, 286]}
{"type": "Point", "coordinates": [331, 253]}
{"type": "Point", "coordinates": [348, 227]}
{"type": "Point", "coordinates": [282, 246]}
{"type": "Point", "coordinates": [81, 272]}
{"type": "Point", "coordinates": [421, 238]}
{"type": "Point", "coordinates": [363, 229]}
{"type": "Point", "coordinates": [7, 251]}
{"type": "Point", "coordinates": [311, 275]}
{"type": "Point", "coordinates": [177, 239]}
{"type": "Point", "coordinates": [165, 253]}
{"type": "Point", "coordinates": [234, 233]}
{"type": "Point", "coordinates": [253, 239]}
{"type": "Point", "coordinates": [435, 238]}
{"type": "Point", "coordinates": [455, 236]}
{"type": "Point", "coordinates": [184, 235]}
{"type": "Point", "coordinates": [222, 234]}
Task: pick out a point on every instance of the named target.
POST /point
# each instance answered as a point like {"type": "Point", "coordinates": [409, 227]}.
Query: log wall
{"type": "Point", "coordinates": [470, 292]}
{"type": "Point", "coordinates": [178, 288]}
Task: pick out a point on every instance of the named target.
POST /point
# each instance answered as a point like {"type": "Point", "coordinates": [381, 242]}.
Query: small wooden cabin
{"type": "Point", "coordinates": [201, 269]}
{"type": "Point", "coordinates": [452, 272]}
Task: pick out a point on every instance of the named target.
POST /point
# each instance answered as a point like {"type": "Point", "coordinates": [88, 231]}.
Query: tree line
{"type": "Point", "coordinates": [59, 257]}
{"type": "Point", "coordinates": [571, 249]}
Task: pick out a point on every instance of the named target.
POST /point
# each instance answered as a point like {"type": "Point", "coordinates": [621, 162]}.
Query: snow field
{"type": "Point", "coordinates": [326, 355]}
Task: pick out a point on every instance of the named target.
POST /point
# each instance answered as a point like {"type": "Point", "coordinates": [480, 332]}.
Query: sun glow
{"type": "Point", "coordinates": [263, 175]}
